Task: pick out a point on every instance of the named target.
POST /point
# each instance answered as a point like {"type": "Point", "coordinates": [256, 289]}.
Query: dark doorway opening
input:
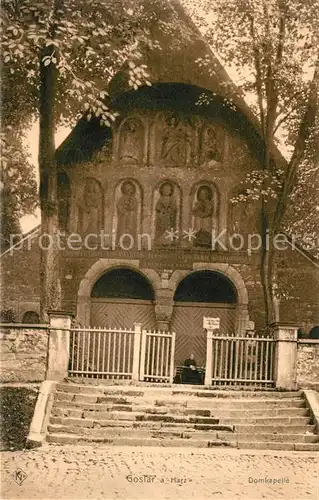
{"type": "Point", "coordinates": [206, 286]}
{"type": "Point", "coordinates": [123, 283]}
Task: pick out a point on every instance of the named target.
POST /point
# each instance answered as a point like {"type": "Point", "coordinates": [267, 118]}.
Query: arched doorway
{"type": "Point", "coordinates": [121, 297]}
{"type": "Point", "coordinates": [201, 293]}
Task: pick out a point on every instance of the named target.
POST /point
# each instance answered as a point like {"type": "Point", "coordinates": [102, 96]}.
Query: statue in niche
{"type": "Point", "coordinates": [90, 212]}
{"type": "Point", "coordinates": [210, 145]}
{"type": "Point", "coordinates": [203, 212]}
{"type": "Point", "coordinates": [127, 211]}
{"type": "Point", "coordinates": [175, 142]}
{"type": "Point", "coordinates": [165, 213]}
{"type": "Point", "coordinates": [131, 141]}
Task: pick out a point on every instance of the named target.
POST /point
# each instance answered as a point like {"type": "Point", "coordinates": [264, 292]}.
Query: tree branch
{"type": "Point", "coordinates": [258, 74]}
{"type": "Point", "coordinates": [305, 130]}
{"type": "Point", "coordinates": [284, 118]}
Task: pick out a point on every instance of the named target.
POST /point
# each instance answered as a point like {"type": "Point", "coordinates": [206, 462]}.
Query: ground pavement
{"type": "Point", "coordinates": [104, 472]}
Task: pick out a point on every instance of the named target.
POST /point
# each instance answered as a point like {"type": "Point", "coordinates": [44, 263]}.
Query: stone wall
{"type": "Point", "coordinates": [308, 364]}
{"type": "Point", "coordinates": [23, 353]}
{"type": "Point", "coordinates": [20, 277]}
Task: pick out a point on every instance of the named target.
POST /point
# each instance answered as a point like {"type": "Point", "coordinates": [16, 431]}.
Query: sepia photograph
{"type": "Point", "coordinates": [159, 250]}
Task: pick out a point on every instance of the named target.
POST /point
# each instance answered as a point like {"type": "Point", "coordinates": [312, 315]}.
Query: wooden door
{"type": "Point", "coordinates": [187, 322]}
{"type": "Point", "coordinates": [122, 313]}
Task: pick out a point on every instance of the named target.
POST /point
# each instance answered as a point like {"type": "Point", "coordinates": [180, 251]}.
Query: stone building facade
{"type": "Point", "coordinates": [141, 204]}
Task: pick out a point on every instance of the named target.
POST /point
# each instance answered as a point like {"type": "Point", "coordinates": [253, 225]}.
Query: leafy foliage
{"type": "Point", "coordinates": [18, 184]}
{"type": "Point", "coordinates": [63, 54]}
{"type": "Point", "coordinates": [86, 42]}
{"type": "Point", "coordinates": [271, 48]}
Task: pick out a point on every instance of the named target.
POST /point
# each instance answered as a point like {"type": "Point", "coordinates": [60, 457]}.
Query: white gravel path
{"type": "Point", "coordinates": [85, 472]}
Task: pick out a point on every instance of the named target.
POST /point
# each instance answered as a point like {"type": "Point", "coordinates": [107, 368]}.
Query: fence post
{"type": "Point", "coordinates": [171, 368]}
{"type": "Point", "coordinates": [136, 351]}
{"type": "Point", "coordinates": [142, 360]}
{"type": "Point", "coordinates": [209, 357]}
{"type": "Point", "coordinates": [59, 345]}
{"type": "Point", "coordinates": [286, 336]}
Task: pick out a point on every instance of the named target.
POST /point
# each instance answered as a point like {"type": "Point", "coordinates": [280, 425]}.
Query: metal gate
{"type": "Point", "coordinates": [157, 356]}
{"type": "Point", "coordinates": [122, 353]}
{"type": "Point", "coordinates": [102, 353]}
{"type": "Point", "coordinates": [241, 361]}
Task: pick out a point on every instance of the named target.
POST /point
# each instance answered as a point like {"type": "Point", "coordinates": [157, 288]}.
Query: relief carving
{"type": "Point", "coordinates": [204, 215]}
{"type": "Point", "coordinates": [163, 312]}
{"type": "Point", "coordinates": [90, 211]}
{"type": "Point", "coordinates": [128, 208]}
{"type": "Point", "coordinates": [131, 143]}
{"type": "Point", "coordinates": [211, 144]}
{"type": "Point", "coordinates": [166, 213]}
{"type": "Point", "coordinates": [175, 147]}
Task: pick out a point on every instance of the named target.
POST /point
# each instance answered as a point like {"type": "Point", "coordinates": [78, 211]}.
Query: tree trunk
{"type": "Point", "coordinates": [267, 250]}
{"type": "Point", "coordinates": [267, 257]}
{"type": "Point", "coordinates": [50, 297]}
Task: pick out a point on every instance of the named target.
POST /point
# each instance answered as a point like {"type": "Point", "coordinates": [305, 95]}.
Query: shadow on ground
{"type": "Point", "coordinates": [17, 407]}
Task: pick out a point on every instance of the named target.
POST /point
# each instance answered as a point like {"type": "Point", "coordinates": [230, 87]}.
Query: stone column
{"type": "Point", "coordinates": [164, 309]}
{"type": "Point", "coordinates": [242, 319]}
{"type": "Point", "coordinates": [59, 345]}
{"type": "Point", "coordinates": [209, 358]}
{"type": "Point", "coordinates": [285, 374]}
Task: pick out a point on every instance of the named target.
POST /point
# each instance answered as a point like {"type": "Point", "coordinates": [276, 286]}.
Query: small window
{"type": "Point", "coordinates": [314, 332]}
{"type": "Point", "coordinates": [31, 317]}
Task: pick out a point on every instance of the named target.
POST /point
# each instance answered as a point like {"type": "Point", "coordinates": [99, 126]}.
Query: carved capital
{"type": "Point", "coordinates": [163, 312]}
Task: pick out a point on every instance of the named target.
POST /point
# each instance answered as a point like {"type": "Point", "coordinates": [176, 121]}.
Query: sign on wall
{"type": "Point", "coordinates": [211, 323]}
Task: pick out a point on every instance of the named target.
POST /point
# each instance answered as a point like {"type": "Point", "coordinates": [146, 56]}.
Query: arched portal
{"type": "Point", "coordinates": [121, 297]}
{"type": "Point", "coordinates": [201, 294]}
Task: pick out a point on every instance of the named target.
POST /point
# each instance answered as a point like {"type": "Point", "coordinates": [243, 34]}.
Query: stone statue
{"type": "Point", "coordinates": [90, 212]}
{"type": "Point", "coordinates": [203, 212]}
{"type": "Point", "coordinates": [131, 142]}
{"type": "Point", "coordinates": [210, 145]}
{"type": "Point", "coordinates": [127, 211]}
{"type": "Point", "coordinates": [175, 142]}
{"type": "Point", "coordinates": [165, 213]}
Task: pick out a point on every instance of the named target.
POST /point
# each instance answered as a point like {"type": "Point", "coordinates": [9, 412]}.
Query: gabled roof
{"type": "Point", "coordinates": [173, 63]}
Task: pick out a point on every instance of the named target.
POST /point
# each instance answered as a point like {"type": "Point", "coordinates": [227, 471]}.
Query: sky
{"type": "Point", "coordinates": [28, 222]}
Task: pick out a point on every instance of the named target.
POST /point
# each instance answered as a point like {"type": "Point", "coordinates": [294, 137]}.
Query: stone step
{"type": "Point", "coordinates": [238, 394]}
{"type": "Point", "coordinates": [239, 428]}
{"type": "Point", "coordinates": [78, 409]}
{"type": "Point", "coordinates": [190, 403]}
{"type": "Point", "coordinates": [215, 412]}
{"type": "Point", "coordinates": [274, 429]}
{"type": "Point", "coordinates": [65, 438]}
{"type": "Point", "coordinates": [106, 432]}
{"type": "Point", "coordinates": [68, 438]}
{"type": "Point", "coordinates": [279, 438]}
{"type": "Point", "coordinates": [82, 422]}
{"type": "Point", "coordinates": [250, 421]}
{"type": "Point", "coordinates": [238, 404]}
{"type": "Point", "coordinates": [282, 420]}
{"type": "Point", "coordinates": [90, 429]}
{"type": "Point", "coordinates": [175, 390]}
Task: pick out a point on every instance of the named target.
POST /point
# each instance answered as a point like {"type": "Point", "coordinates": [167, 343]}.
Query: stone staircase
{"type": "Point", "coordinates": [180, 415]}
